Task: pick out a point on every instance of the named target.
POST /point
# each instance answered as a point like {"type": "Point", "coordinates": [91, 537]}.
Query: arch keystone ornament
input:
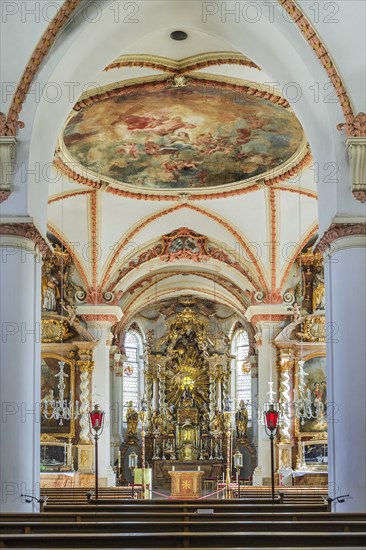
{"type": "Point", "coordinates": [356, 144]}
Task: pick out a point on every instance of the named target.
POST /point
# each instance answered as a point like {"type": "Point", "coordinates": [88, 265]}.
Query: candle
{"type": "Point", "coordinates": [173, 468]}
{"type": "Point", "coordinates": [199, 468]}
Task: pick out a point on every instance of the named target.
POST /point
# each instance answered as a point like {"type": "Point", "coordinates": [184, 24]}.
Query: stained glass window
{"type": "Point", "coordinates": [131, 375]}
{"type": "Point", "coordinates": [243, 377]}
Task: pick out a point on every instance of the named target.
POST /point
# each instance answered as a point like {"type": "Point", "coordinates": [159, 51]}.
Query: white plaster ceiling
{"type": "Point", "coordinates": [104, 223]}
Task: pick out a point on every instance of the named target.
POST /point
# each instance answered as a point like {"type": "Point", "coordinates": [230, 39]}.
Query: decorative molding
{"type": "Point", "coordinates": [170, 210]}
{"type": "Point", "coordinates": [268, 318]}
{"type": "Point", "coordinates": [187, 64]}
{"type": "Point", "coordinates": [315, 42]}
{"type": "Point", "coordinates": [355, 126]}
{"type": "Point", "coordinates": [97, 183]}
{"type": "Point", "coordinates": [94, 234]}
{"type": "Point", "coordinates": [67, 195]}
{"type": "Point", "coordinates": [273, 237]}
{"type": "Point", "coordinates": [339, 231]}
{"type": "Point", "coordinates": [46, 438]}
{"type": "Point", "coordinates": [72, 175]}
{"type": "Point", "coordinates": [4, 194]}
{"type": "Point", "coordinates": [267, 312]}
{"type": "Point", "coordinates": [55, 330]}
{"type": "Point", "coordinates": [100, 313]}
{"type": "Point", "coordinates": [357, 162]}
{"type": "Point", "coordinates": [157, 251]}
{"type": "Point", "coordinates": [28, 231]}
{"type": "Point", "coordinates": [10, 124]}
{"type": "Point", "coordinates": [160, 82]}
{"type": "Point", "coordinates": [100, 318]}
{"type": "Point", "coordinates": [312, 329]}
{"type": "Point", "coordinates": [7, 162]}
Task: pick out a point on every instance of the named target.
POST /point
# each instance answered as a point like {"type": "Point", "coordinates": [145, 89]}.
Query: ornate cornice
{"type": "Point", "coordinates": [10, 124]}
{"type": "Point", "coordinates": [26, 231]}
{"type": "Point", "coordinates": [338, 231]}
{"type": "Point", "coordinates": [100, 313]}
{"type": "Point", "coordinates": [184, 197]}
{"type": "Point", "coordinates": [355, 125]}
{"type": "Point", "coordinates": [268, 318]}
{"type": "Point", "coordinates": [180, 66]}
{"type": "Point", "coordinates": [100, 317]}
{"type": "Point", "coordinates": [157, 83]}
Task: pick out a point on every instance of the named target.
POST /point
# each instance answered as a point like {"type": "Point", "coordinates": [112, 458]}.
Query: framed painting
{"type": "Point", "coordinates": [315, 454]}
{"type": "Point", "coordinates": [316, 388]}
{"type": "Point", "coordinates": [50, 391]}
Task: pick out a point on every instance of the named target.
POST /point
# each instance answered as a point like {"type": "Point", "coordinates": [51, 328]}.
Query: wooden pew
{"type": "Point", "coordinates": [174, 539]}
{"type": "Point", "coordinates": [173, 516]}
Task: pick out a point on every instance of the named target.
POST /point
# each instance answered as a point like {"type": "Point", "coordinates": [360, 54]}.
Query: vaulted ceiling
{"type": "Point", "coordinates": [183, 134]}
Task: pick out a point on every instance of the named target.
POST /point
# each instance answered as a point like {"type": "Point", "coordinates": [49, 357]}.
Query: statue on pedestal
{"type": "Point", "coordinates": [216, 423]}
{"type": "Point", "coordinates": [132, 418]}
{"type": "Point", "coordinates": [157, 422]}
{"type": "Point", "coordinates": [241, 421]}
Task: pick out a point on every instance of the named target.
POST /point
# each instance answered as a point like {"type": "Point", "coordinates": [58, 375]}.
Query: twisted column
{"type": "Point", "coordinates": [85, 365]}
{"type": "Point", "coordinates": [284, 367]}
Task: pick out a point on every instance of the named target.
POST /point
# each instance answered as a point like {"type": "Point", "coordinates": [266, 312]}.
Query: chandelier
{"type": "Point", "coordinates": [60, 409]}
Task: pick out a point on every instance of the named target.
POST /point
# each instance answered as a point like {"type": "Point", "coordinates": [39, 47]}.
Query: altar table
{"type": "Point", "coordinates": [186, 484]}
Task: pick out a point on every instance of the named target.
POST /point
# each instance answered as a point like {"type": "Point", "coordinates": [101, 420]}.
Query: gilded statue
{"type": "Point", "coordinates": [50, 292]}
{"type": "Point", "coordinates": [205, 419]}
{"type": "Point", "coordinates": [216, 424]}
{"type": "Point", "coordinates": [241, 420]}
{"type": "Point", "coordinates": [170, 421]}
{"type": "Point", "coordinates": [157, 422]}
{"type": "Point", "coordinates": [318, 300]}
{"type": "Point", "coordinates": [132, 418]}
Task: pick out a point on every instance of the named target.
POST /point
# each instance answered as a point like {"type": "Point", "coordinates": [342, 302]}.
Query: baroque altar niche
{"type": "Point", "coordinates": [187, 373]}
{"type": "Point", "coordinates": [187, 387]}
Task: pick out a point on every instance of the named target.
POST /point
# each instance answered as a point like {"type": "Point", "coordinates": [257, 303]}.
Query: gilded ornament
{"type": "Point", "coordinates": [46, 438]}
{"type": "Point", "coordinates": [55, 330]}
{"type": "Point", "coordinates": [312, 329]}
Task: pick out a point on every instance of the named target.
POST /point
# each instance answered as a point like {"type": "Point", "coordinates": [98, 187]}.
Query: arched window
{"type": "Point", "coordinates": [131, 371]}
{"type": "Point", "coordinates": [242, 379]}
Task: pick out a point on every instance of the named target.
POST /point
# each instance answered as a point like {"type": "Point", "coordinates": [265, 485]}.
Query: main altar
{"type": "Point", "coordinates": [186, 394]}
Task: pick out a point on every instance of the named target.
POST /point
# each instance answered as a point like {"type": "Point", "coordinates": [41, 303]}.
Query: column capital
{"type": "Point", "coordinates": [348, 232]}
{"type": "Point", "coordinates": [267, 314]}
{"type": "Point", "coordinates": [18, 232]}
{"type": "Point", "coordinates": [104, 315]}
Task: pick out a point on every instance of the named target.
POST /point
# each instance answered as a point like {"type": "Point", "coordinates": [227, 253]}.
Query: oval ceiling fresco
{"type": "Point", "coordinates": [192, 137]}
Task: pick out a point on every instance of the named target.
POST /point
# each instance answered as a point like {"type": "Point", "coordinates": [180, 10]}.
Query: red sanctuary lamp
{"type": "Point", "coordinates": [271, 416]}
{"type": "Point", "coordinates": [96, 425]}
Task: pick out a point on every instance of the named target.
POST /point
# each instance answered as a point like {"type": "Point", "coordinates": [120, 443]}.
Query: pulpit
{"type": "Point", "coordinates": [186, 484]}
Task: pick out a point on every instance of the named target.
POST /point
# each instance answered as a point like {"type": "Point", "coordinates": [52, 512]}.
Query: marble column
{"type": "Point", "coordinates": [344, 248]}
{"type": "Point", "coordinates": [20, 359]}
{"type": "Point", "coordinates": [268, 320]}
{"type": "Point", "coordinates": [100, 319]}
